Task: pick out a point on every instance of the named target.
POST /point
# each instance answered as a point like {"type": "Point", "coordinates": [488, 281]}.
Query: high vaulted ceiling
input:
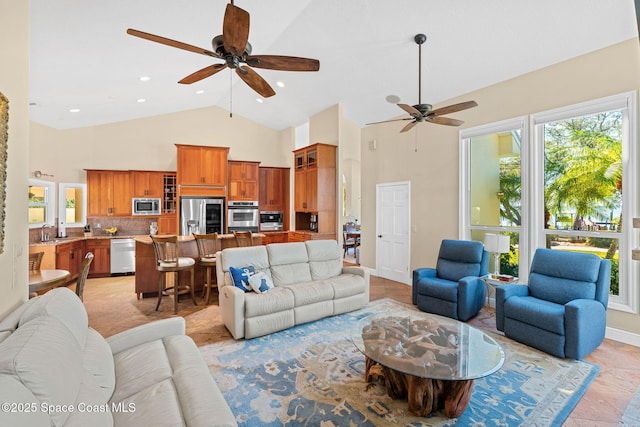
{"type": "Point", "coordinates": [81, 56]}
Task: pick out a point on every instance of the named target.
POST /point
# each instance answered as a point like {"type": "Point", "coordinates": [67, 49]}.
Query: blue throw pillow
{"type": "Point", "coordinates": [240, 277]}
{"type": "Point", "coordinates": [261, 282]}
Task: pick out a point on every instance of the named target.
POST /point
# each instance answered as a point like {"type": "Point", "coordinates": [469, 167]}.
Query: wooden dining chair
{"type": "Point", "coordinates": [243, 238]}
{"type": "Point", "coordinates": [207, 248]}
{"type": "Point", "coordinates": [82, 277]}
{"type": "Point", "coordinates": [168, 260]}
{"type": "Point", "coordinates": [35, 259]}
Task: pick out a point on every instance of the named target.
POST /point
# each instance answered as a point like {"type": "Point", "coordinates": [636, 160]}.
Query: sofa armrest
{"type": "Point", "coordinates": [146, 333]}
{"type": "Point", "coordinates": [472, 293]}
{"type": "Point", "coordinates": [585, 327]}
{"type": "Point", "coordinates": [231, 302]}
{"type": "Point", "coordinates": [358, 271]}
{"type": "Point", "coordinates": [503, 293]}
{"type": "Point", "coordinates": [418, 274]}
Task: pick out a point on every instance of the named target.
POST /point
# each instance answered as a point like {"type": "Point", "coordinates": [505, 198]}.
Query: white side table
{"type": "Point", "coordinates": [492, 283]}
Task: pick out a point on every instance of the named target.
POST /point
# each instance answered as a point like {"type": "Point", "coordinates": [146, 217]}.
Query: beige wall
{"type": "Point", "coordinates": [14, 84]}
{"type": "Point", "coordinates": [149, 143]}
{"type": "Point", "coordinates": [434, 169]}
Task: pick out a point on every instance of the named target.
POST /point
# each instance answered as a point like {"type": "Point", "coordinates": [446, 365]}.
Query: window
{"type": "Point", "coordinates": [42, 207]}
{"type": "Point", "coordinates": [73, 205]}
{"type": "Point", "coordinates": [494, 191]}
{"type": "Point", "coordinates": [571, 188]}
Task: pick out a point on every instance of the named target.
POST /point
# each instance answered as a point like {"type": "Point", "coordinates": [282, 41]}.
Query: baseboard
{"type": "Point", "coordinates": [623, 336]}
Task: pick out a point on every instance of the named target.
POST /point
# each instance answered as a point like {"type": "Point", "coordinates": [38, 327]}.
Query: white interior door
{"type": "Point", "coordinates": [392, 231]}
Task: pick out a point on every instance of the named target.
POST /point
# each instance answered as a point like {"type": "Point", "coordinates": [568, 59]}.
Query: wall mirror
{"type": "Point", "coordinates": [72, 202]}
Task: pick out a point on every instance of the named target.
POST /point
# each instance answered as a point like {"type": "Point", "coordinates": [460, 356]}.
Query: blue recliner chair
{"type": "Point", "coordinates": [454, 288]}
{"type": "Point", "coordinates": [562, 311]}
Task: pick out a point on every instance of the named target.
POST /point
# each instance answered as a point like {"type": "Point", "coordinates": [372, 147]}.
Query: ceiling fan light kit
{"type": "Point", "coordinates": [233, 47]}
{"type": "Point", "coordinates": [424, 112]}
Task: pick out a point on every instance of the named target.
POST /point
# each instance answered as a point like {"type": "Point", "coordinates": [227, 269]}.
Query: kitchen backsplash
{"type": "Point", "coordinates": [98, 225]}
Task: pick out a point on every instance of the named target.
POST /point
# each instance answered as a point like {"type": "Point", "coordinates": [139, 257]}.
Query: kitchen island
{"type": "Point", "coordinates": [147, 276]}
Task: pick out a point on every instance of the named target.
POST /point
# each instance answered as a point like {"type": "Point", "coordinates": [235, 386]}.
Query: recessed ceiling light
{"type": "Point", "coordinates": [145, 78]}
{"type": "Point", "coordinates": [199, 91]}
{"type": "Point", "coordinates": [141, 100]}
{"type": "Point", "coordinates": [259, 100]}
{"type": "Point", "coordinates": [280, 84]}
{"type": "Point", "coordinates": [74, 110]}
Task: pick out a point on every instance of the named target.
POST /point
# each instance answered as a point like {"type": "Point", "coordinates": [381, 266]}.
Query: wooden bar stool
{"type": "Point", "coordinates": [207, 248]}
{"type": "Point", "coordinates": [168, 260]}
{"type": "Point", "coordinates": [243, 238]}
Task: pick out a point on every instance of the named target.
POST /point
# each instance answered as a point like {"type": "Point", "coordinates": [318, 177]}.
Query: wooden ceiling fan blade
{"type": "Point", "coordinates": [409, 126]}
{"type": "Point", "coordinates": [453, 108]}
{"type": "Point", "coordinates": [235, 30]}
{"type": "Point", "coordinates": [444, 121]}
{"type": "Point", "coordinates": [284, 63]}
{"type": "Point", "coordinates": [172, 43]}
{"type": "Point", "coordinates": [255, 82]}
{"type": "Point", "coordinates": [409, 109]}
{"type": "Point", "coordinates": [389, 121]}
{"type": "Point", "coordinates": [203, 74]}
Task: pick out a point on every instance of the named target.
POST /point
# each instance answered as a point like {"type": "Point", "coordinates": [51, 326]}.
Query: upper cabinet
{"type": "Point", "coordinates": [243, 180]}
{"type": "Point", "coordinates": [202, 165]}
{"type": "Point", "coordinates": [147, 184]}
{"type": "Point", "coordinates": [109, 193]}
{"type": "Point", "coordinates": [274, 189]}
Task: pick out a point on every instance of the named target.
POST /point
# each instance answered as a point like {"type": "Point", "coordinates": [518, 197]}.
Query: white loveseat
{"type": "Point", "coordinates": [57, 371]}
{"type": "Point", "coordinates": [309, 280]}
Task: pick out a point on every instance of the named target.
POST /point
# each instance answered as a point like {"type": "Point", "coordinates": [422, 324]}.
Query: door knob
{"type": "Point", "coordinates": [379, 236]}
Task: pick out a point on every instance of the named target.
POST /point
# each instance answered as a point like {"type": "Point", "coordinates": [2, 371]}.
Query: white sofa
{"type": "Point", "coordinates": [309, 280]}
{"type": "Point", "coordinates": [57, 371]}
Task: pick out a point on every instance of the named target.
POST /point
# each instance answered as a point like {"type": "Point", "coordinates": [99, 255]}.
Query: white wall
{"type": "Point", "coordinates": [14, 84]}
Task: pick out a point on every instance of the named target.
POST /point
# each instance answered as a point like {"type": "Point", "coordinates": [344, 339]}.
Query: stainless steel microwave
{"type": "Point", "coordinates": [146, 206]}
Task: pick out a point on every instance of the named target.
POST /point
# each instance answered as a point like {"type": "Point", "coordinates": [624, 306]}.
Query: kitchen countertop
{"type": "Point", "coordinates": [147, 239]}
{"type": "Point", "coordinates": [63, 240]}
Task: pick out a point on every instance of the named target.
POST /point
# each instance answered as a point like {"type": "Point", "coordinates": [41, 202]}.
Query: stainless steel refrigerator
{"type": "Point", "coordinates": [202, 215]}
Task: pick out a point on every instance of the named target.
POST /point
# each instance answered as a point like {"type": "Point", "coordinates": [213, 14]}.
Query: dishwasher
{"type": "Point", "coordinates": [123, 256]}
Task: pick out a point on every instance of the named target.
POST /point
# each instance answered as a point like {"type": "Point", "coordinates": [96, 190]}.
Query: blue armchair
{"type": "Point", "coordinates": [454, 288]}
{"type": "Point", "coordinates": [562, 311]}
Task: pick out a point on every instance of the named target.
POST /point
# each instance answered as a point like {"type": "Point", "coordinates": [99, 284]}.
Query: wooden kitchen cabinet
{"type": "Point", "coordinates": [202, 165]}
{"type": "Point", "coordinates": [275, 237]}
{"type": "Point", "coordinates": [101, 250]}
{"type": "Point", "coordinates": [147, 183]}
{"type": "Point", "coordinates": [243, 180]}
{"type": "Point", "coordinates": [167, 224]}
{"type": "Point", "coordinates": [315, 188]}
{"type": "Point", "coordinates": [69, 257]}
{"type": "Point", "coordinates": [108, 193]}
{"type": "Point", "coordinates": [274, 189]}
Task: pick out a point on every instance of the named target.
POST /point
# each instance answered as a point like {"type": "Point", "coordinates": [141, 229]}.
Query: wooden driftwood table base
{"type": "Point", "coordinates": [424, 395]}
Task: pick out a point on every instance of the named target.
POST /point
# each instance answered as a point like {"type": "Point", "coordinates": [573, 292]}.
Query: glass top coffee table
{"type": "Point", "coordinates": [429, 359]}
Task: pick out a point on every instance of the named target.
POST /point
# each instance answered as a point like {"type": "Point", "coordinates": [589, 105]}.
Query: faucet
{"type": "Point", "coordinates": [44, 237]}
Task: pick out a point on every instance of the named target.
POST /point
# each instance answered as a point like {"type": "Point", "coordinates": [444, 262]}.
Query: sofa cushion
{"type": "Point", "coordinates": [12, 390]}
{"type": "Point", "coordinates": [325, 258]}
{"type": "Point", "coordinates": [276, 300]}
{"type": "Point", "coordinates": [91, 407]}
{"type": "Point", "coordinates": [98, 361]}
{"type": "Point", "coordinates": [261, 282]}
{"type": "Point", "coordinates": [441, 289]}
{"type": "Point", "coordinates": [289, 263]}
{"type": "Point", "coordinates": [539, 313]}
{"type": "Point", "coordinates": [241, 275]}
{"type": "Point", "coordinates": [560, 291]}
{"type": "Point", "coordinates": [44, 355]}
{"type": "Point", "coordinates": [346, 285]}
{"type": "Point", "coordinates": [310, 292]}
{"type": "Point", "coordinates": [255, 256]}
{"type": "Point", "coordinates": [63, 304]}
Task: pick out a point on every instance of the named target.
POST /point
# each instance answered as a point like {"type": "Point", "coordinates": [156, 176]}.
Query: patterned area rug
{"type": "Point", "coordinates": [312, 375]}
{"type": "Point", "coordinates": [631, 416]}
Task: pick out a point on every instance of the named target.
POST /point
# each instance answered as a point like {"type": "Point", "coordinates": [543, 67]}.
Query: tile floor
{"type": "Point", "coordinates": [113, 307]}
